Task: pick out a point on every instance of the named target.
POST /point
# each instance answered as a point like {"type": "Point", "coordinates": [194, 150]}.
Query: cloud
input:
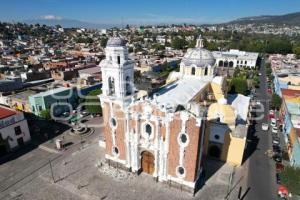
{"type": "Point", "coordinates": [50, 17]}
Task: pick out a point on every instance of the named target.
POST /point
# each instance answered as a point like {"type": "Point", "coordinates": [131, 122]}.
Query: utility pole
{"type": "Point", "coordinates": [51, 171]}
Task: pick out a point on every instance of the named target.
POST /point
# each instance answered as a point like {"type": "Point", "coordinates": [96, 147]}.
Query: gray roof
{"type": "Point", "coordinates": [199, 56]}
{"type": "Point", "coordinates": [115, 42]}
{"type": "Point", "coordinates": [182, 91]}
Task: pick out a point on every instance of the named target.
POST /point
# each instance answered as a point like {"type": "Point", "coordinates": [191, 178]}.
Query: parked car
{"type": "Point", "coordinates": [274, 129]}
{"type": "Point", "coordinates": [271, 112]}
{"type": "Point", "coordinates": [83, 113]}
{"type": "Point", "coordinates": [277, 158]}
{"type": "Point", "coordinates": [279, 167]}
{"type": "Point", "coordinates": [276, 141]}
{"type": "Point", "coordinates": [66, 114]}
{"type": "Point", "coordinates": [264, 126]}
{"type": "Point", "coordinates": [278, 180]}
{"type": "Point", "coordinates": [273, 122]}
{"type": "Point", "coordinates": [276, 147]}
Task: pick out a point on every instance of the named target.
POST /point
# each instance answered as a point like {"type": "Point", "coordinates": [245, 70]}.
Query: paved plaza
{"type": "Point", "coordinates": [79, 174]}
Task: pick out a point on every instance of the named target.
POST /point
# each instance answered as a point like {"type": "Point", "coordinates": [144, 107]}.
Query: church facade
{"type": "Point", "coordinates": [165, 134]}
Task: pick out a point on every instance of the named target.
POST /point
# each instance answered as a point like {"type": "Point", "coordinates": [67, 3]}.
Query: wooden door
{"type": "Point", "coordinates": [147, 162]}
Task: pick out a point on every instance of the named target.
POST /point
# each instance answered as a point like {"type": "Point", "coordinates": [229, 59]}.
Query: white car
{"type": "Point", "coordinates": [273, 122]}
{"type": "Point", "coordinates": [258, 103]}
{"type": "Point", "coordinates": [271, 112]}
{"type": "Point", "coordinates": [274, 129]}
{"type": "Point", "coordinates": [264, 127]}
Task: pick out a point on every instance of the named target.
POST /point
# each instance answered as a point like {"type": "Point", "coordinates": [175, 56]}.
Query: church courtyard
{"type": "Point", "coordinates": [79, 174]}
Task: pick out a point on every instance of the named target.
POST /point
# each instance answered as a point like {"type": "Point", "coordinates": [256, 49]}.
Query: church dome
{"type": "Point", "coordinates": [199, 57]}
{"type": "Point", "coordinates": [115, 42]}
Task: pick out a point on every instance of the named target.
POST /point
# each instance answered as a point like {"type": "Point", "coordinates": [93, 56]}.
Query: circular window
{"type": "Point", "coordinates": [115, 151]}
{"type": "Point", "coordinates": [180, 171]}
{"type": "Point", "coordinates": [217, 137]}
{"type": "Point", "coordinates": [147, 131]}
{"type": "Point", "coordinates": [113, 122]}
{"type": "Point", "coordinates": [183, 139]}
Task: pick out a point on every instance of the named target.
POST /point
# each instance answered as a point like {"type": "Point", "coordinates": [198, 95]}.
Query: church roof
{"type": "Point", "coordinates": [182, 91]}
{"type": "Point", "coordinates": [198, 56]}
{"type": "Point", "coordinates": [241, 104]}
{"type": "Point", "coordinates": [115, 42]}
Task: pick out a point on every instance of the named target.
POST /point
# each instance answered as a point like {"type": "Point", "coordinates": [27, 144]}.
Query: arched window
{"type": "Point", "coordinates": [205, 71]}
{"type": "Point", "coordinates": [148, 129]}
{"type": "Point", "coordinates": [193, 70]}
{"type": "Point", "coordinates": [119, 59]}
{"type": "Point", "coordinates": [111, 86]}
{"type": "Point", "coordinates": [221, 63]}
{"type": "Point", "coordinates": [226, 63]}
{"type": "Point", "coordinates": [128, 86]}
{"type": "Point", "coordinates": [230, 64]}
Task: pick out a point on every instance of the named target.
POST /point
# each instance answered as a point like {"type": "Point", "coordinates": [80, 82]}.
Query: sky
{"type": "Point", "coordinates": [143, 11]}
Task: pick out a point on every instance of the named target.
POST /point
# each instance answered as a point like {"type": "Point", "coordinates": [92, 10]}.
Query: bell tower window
{"type": "Point", "coordinates": [205, 71]}
{"type": "Point", "coordinates": [111, 86]}
{"type": "Point", "coordinates": [119, 59]}
{"type": "Point", "coordinates": [193, 71]}
{"type": "Point", "coordinates": [128, 87]}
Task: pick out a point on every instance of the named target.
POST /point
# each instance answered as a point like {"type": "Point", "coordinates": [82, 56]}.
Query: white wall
{"type": "Point", "coordinates": [10, 131]}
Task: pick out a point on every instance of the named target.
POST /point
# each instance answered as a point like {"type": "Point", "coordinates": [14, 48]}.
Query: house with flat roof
{"type": "Point", "coordinates": [57, 100]}
{"type": "Point", "coordinates": [290, 116]}
{"type": "Point", "coordinates": [14, 131]}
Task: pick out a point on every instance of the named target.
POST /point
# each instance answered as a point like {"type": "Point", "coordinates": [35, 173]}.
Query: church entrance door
{"type": "Point", "coordinates": [147, 162]}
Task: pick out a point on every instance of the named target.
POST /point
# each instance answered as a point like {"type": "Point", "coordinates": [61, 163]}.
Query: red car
{"type": "Point", "coordinates": [269, 91]}
{"type": "Point", "coordinates": [279, 167]}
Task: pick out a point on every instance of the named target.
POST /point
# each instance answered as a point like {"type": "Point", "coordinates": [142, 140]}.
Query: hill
{"type": "Point", "coordinates": [68, 23]}
{"type": "Point", "coordinates": [292, 19]}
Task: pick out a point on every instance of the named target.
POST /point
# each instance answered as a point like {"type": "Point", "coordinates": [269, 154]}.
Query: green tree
{"type": "Point", "coordinates": [45, 114]}
{"type": "Point", "coordinates": [178, 43]}
{"type": "Point", "coordinates": [103, 41]}
{"type": "Point", "coordinates": [238, 85]}
{"type": "Point", "coordinates": [158, 47]}
{"type": "Point", "coordinates": [93, 103]}
{"type": "Point", "coordinates": [130, 49]}
{"type": "Point", "coordinates": [279, 46]}
{"type": "Point", "coordinates": [296, 50]}
{"type": "Point", "coordinates": [290, 178]}
{"type": "Point", "coordinates": [276, 101]}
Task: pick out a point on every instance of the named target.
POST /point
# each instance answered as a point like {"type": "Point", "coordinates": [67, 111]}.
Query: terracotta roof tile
{"type": "Point", "coordinates": [6, 112]}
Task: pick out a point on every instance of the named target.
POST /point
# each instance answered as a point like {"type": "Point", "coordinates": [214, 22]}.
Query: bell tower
{"type": "Point", "coordinates": [117, 71]}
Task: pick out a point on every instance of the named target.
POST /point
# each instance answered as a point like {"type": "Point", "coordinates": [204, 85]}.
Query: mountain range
{"type": "Point", "coordinates": [292, 19]}
{"type": "Point", "coordinates": [68, 23]}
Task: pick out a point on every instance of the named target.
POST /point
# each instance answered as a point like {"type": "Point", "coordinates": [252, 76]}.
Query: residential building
{"type": "Point", "coordinates": [290, 118]}
{"type": "Point", "coordinates": [14, 131]}
{"type": "Point", "coordinates": [58, 100]}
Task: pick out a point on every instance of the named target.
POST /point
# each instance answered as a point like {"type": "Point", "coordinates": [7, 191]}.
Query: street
{"type": "Point", "coordinates": [258, 170]}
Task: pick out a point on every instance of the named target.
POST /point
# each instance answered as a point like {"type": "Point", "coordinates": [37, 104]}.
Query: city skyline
{"type": "Point", "coordinates": [135, 12]}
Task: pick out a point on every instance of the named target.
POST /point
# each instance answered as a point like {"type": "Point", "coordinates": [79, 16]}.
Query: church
{"type": "Point", "coordinates": [170, 134]}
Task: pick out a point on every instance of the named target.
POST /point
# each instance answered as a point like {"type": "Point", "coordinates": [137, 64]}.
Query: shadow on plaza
{"type": "Point", "coordinates": [40, 132]}
{"type": "Point", "coordinates": [211, 167]}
